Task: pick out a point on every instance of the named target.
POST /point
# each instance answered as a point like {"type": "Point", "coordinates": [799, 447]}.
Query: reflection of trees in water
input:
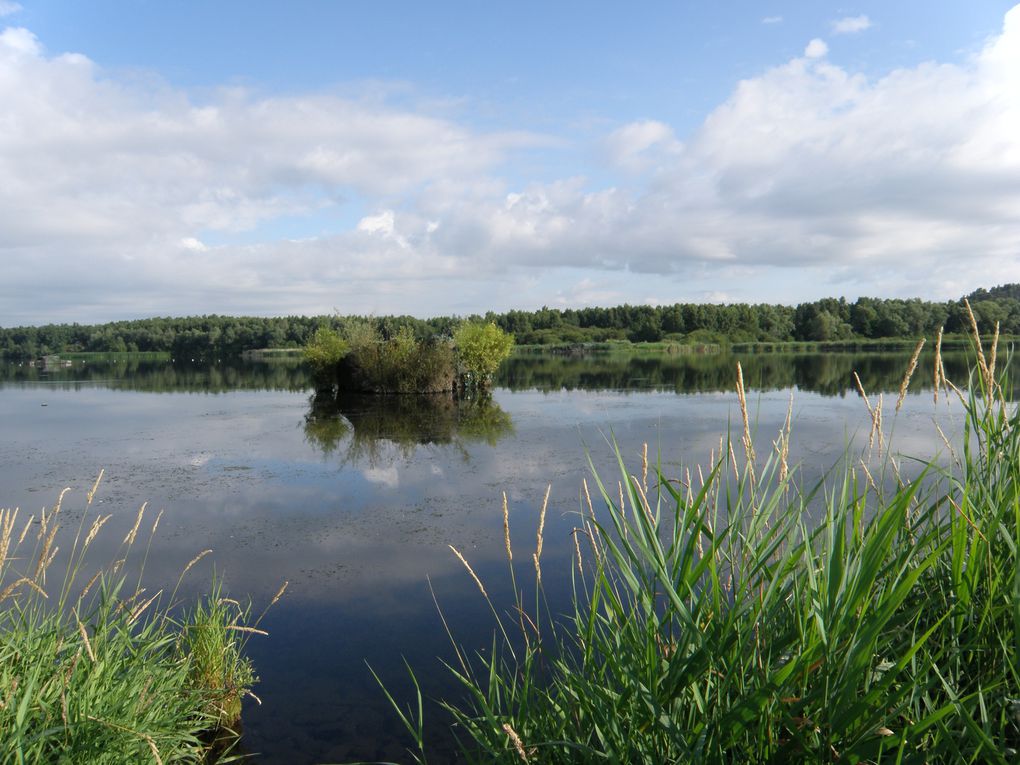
{"type": "Point", "coordinates": [826, 373]}
{"type": "Point", "coordinates": [829, 374]}
{"type": "Point", "coordinates": [165, 377]}
{"type": "Point", "coordinates": [363, 426]}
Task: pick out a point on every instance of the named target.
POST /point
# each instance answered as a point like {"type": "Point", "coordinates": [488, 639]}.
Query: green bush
{"type": "Point", "coordinates": [325, 350]}
{"type": "Point", "coordinates": [481, 348]}
{"type": "Point", "coordinates": [402, 364]}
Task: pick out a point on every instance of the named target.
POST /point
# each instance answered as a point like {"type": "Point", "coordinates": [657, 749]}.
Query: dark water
{"type": "Point", "coordinates": [354, 501]}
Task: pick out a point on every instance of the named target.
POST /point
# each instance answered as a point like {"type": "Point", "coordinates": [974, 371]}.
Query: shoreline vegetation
{"type": "Point", "coordinates": [733, 614]}
{"type": "Point", "coordinates": [828, 324]}
{"type": "Point", "coordinates": [96, 670]}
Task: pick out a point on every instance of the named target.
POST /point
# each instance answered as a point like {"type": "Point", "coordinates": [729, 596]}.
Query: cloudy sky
{"type": "Point", "coordinates": [452, 157]}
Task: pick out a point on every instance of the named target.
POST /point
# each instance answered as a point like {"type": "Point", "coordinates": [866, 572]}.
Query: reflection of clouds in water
{"type": "Point", "coordinates": [200, 459]}
{"type": "Point", "coordinates": [383, 476]}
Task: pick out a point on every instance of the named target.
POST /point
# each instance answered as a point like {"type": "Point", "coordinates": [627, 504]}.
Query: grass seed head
{"type": "Point", "coordinates": [910, 372]}
{"type": "Point", "coordinates": [506, 529]}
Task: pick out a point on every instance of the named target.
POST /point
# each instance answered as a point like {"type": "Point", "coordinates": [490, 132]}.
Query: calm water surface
{"type": "Point", "coordinates": [355, 501]}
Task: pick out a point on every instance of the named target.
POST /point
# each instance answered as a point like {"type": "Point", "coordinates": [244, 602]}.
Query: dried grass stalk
{"type": "Point", "coordinates": [279, 594]}
{"type": "Point", "coordinates": [193, 561]}
{"type": "Point", "coordinates": [130, 538]}
{"type": "Point", "coordinates": [7, 520]}
{"type": "Point", "coordinates": [742, 398]}
{"type": "Point", "coordinates": [44, 555]}
{"type": "Point", "coordinates": [516, 741]}
{"type": "Point", "coordinates": [644, 465]}
{"type": "Point", "coordinates": [85, 639]}
{"type": "Point", "coordinates": [910, 373]}
{"type": "Point", "coordinates": [95, 487]}
{"type": "Point", "coordinates": [541, 522]}
{"type": "Point", "coordinates": [982, 364]}
{"type": "Point", "coordinates": [938, 365]}
{"type": "Point", "coordinates": [24, 531]}
{"type": "Point", "coordinates": [9, 589]}
{"type": "Point", "coordinates": [993, 354]}
{"type": "Point", "coordinates": [577, 549]}
{"type": "Point", "coordinates": [506, 529]}
{"type": "Point", "coordinates": [155, 523]}
{"type": "Point", "coordinates": [470, 570]}
{"type": "Point", "coordinates": [97, 524]}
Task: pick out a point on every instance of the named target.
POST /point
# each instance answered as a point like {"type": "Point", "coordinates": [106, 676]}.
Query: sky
{"type": "Point", "coordinates": [443, 158]}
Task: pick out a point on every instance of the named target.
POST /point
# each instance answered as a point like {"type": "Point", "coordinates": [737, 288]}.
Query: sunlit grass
{"type": "Point", "coordinates": [97, 669]}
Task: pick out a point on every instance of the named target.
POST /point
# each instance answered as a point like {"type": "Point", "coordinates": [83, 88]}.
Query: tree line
{"type": "Point", "coordinates": [826, 320]}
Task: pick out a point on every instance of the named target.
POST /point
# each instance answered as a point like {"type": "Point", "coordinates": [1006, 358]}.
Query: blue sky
{"type": "Point", "coordinates": [392, 157]}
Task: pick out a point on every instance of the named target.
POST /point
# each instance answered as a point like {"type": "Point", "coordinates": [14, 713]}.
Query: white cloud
{"type": "Point", "coordinates": [17, 42]}
{"type": "Point", "coordinates": [193, 244]}
{"type": "Point", "coordinates": [8, 8]}
{"type": "Point", "coordinates": [377, 224]}
{"type": "Point", "coordinates": [816, 49]}
{"type": "Point", "coordinates": [772, 20]}
{"type": "Point", "coordinates": [808, 180]}
{"type": "Point", "coordinates": [642, 145]}
{"type": "Point", "coordinates": [851, 25]}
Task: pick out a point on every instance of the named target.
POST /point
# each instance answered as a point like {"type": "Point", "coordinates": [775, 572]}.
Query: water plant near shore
{"type": "Point", "coordinates": [102, 671]}
{"type": "Point", "coordinates": [737, 616]}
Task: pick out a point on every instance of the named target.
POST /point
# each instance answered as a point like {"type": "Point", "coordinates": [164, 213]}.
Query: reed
{"type": "Point", "coordinates": [105, 673]}
{"type": "Point", "coordinates": [765, 620]}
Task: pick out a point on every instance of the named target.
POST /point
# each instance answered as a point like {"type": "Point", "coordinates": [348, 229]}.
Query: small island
{"type": "Point", "coordinates": [361, 360]}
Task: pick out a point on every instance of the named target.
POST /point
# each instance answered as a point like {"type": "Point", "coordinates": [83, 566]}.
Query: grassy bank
{"type": "Point", "coordinates": [736, 615]}
{"type": "Point", "coordinates": [95, 669]}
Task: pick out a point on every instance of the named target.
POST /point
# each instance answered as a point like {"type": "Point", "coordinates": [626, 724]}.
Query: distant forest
{"type": "Point", "coordinates": [826, 320]}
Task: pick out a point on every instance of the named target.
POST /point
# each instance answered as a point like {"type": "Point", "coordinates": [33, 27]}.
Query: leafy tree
{"type": "Point", "coordinates": [481, 348]}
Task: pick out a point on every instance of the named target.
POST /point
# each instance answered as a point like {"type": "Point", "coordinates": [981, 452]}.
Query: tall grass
{"type": "Point", "coordinates": [737, 615]}
{"type": "Point", "coordinates": [100, 670]}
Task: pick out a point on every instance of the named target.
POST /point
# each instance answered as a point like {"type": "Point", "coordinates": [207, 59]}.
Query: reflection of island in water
{"type": "Point", "coordinates": [358, 426]}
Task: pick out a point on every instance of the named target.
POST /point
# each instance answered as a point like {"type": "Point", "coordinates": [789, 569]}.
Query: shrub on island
{"type": "Point", "coordinates": [363, 361]}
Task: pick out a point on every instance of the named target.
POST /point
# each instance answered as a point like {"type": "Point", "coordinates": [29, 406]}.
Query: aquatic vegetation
{"type": "Point", "coordinates": [735, 615]}
{"type": "Point", "coordinates": [102, 671]}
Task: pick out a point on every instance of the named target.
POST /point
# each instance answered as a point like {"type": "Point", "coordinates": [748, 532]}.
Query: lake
{"type": "Point", "coordinates": [354, 501]}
